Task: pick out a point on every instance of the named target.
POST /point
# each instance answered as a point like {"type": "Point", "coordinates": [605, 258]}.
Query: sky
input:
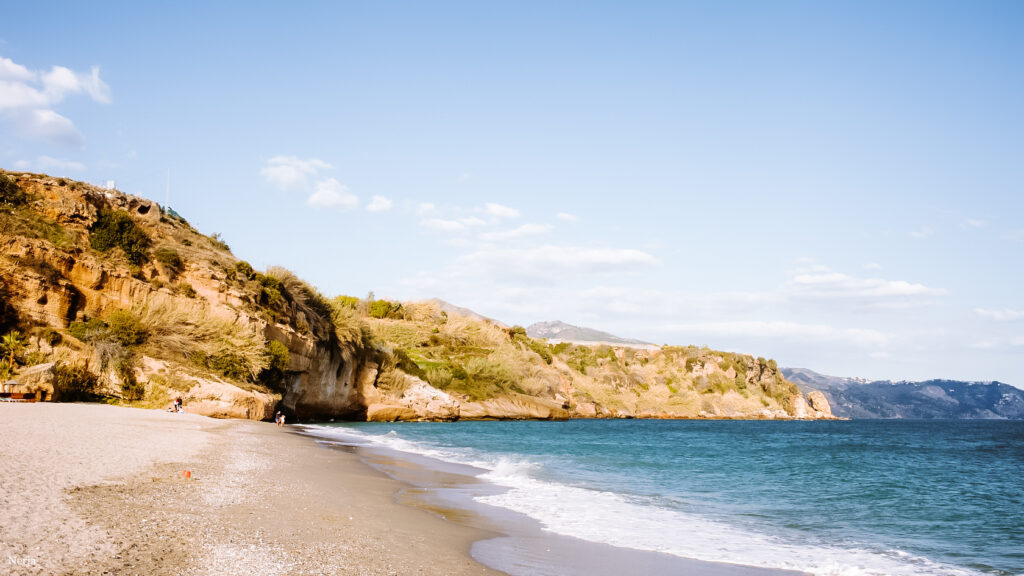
{"type": "Point", "coordinates": [836, 185]}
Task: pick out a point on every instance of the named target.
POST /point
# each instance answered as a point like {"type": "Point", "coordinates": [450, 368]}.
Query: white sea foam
{"type": "Point", "coordinates": [622, 520]}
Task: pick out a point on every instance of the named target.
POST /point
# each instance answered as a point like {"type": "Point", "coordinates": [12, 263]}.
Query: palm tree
{"type": "Point", "coordinates": [12, 345]}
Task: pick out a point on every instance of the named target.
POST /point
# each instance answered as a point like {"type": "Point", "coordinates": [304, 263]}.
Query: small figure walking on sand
{"type": "Point", "coordinates": [279, 419]}
{"type": "Point", "coordinates": [177, 405]}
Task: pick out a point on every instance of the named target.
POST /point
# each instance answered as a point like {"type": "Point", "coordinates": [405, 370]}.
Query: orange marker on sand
{"type": "Point", "coordinates": [187, 474]}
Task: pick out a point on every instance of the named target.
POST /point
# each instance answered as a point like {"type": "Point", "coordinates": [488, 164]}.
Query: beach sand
{"type": "Point", "coordinates": [96, 489]}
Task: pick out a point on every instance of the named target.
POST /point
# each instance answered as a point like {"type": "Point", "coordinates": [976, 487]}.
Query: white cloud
{"type": "Point", "coordinates": [331, 193]}
{"type": "Point", "coordinates": [872, 266]}
{"type": "Point", "coordinates": [824, 285]}
{"type": "Point", "coordinates": [521, 231]}
{"type": "Point", "coordinates": [465, 177]}
{"type": "Point", "coordinates": [45, 163]}
{"type": "Point", "coordinates": [1014, 235]}
{"type": "Point", "coordinates": [46, 125]}
{"type": "Point", "coordinates": [785, 330]}
{"type": "Point", "coordinates": [290, 172]}
{"type": "Point", "coordinates": [500, 211]}
{"type": "Point", "coordinates": [923, 233]}
{"type": "Point", "coordinates": [9, 70]}
{"type": "Point", "coordinates": [379, 204]}
{"type": "Point", "coordinates": [1006, 315]}
{"type": "Point", "coordinates": [976, 223]}
{"type": "Point", "coordinates": [452, 225]}
{"type": "Point", "coordinates": [565, 216]}
{"type": "Point", "coordinates": [424, 208]}
{"type": "Point", "coordinates": [554, 262]}
{"type": "Point", "coordinates": [27, 99]}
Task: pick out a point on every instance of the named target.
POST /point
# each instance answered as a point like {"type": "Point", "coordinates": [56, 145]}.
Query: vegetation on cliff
{"type": "Point", "coordinates": [131, 302]}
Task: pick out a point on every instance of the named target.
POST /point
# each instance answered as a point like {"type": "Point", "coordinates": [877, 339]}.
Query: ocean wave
{"type": "Point", "coordinates": [641, 523]}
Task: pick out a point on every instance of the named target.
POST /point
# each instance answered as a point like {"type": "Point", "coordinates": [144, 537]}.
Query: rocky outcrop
{"type": "Point", "coordinates": [819, 403]}
{"type": "Point", "coordinates": [219, 399]}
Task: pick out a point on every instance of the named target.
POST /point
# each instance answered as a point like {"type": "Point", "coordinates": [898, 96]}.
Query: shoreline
{"type": "Point", "coordinates": [92, 488]}
{"type": "Point", "coordinates": [520, 546]}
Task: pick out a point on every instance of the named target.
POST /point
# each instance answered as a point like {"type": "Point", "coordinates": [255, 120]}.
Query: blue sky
{"type": "Point", "coordinates": [837, 185]}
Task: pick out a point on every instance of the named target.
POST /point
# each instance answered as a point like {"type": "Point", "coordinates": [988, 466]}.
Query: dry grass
{"type": "Point", "coordinates": [184, 333]}
{"type": "Point", "coordinates": [468, 331]}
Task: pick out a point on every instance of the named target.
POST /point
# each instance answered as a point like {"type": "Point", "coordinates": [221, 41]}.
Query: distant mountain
{"type": "Point", "coordinates": [931, 399]}
{"type": "Point", "coordinates": [452, 308]}
{"type": "Point", "coordinates": [557, 330]}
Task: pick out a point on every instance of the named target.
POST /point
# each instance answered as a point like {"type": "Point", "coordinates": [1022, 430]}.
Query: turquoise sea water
{"type": "Point", "coordinates": [843, 498]}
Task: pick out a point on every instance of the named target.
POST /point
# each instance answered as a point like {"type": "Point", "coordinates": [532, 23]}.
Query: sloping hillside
{"type": "Point", "coordinates": [104, 295]}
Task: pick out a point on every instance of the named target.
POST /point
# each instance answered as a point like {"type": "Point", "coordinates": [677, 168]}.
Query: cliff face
{"type": "Point", "coordinates": [51, 277]}
{"type": "Point", "coordinates": [122, 297]}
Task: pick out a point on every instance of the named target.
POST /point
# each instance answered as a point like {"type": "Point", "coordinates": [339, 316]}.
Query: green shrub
{"type": "Point", "coordinates": [125, 328]}
{"type": "Point", "coordinates": [74, 383]}
{"type": "Point", "coordinates": [218, 242]}
{"type": "Point", "coordinates": [345, 302]}
{"type": "Point", "coordinates": [88, 331]}
{"type": "Point", "coordinates": [541, 349]}
{"type": "Point", "coordinates": [117, 228]}
{"type": "Point", "coordinates": [170, 259]}
{"type": "Point", "coordinates": [385, 309]}
{"type": "Point", "coordinates": [11, 194]}
{"type": "Point", "coordinates": [517, 332]}
{"type": "Point", "coordinates": [440, 378]}
{"type": "Point", "coordinates": [244, 269]}
{"type": "Point", "coordinates": [49, 335]}
{"type": "Point", "coordinates": [131, 389]}
{"type": "Point", "coordinates": [278, 358]}
{"type": "Point", "coordinates": [231, 365]}
{"type": "Point", "coordinates": [185, 289]}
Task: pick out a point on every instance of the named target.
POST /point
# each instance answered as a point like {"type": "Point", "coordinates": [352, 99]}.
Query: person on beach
{"type": "Point", "coordinates": [177, 404]}
{"type": "Point", "coordinates": [279, 419]}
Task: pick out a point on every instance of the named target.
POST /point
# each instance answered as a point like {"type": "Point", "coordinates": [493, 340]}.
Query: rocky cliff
{"type": "Point", "coordinates": [119, 297]}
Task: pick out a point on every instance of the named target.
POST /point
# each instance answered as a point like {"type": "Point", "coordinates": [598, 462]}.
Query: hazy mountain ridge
{"type": "Point", "coordinates": [930, 399]}
{"type": "Point", "coordinates": [559, 331]}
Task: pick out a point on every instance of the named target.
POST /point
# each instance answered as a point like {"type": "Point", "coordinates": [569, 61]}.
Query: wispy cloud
{"type": "Point", "coordinates": [975, 223]}
{"type": "Point", "coordinates": [873, 292]}
{"type": "Point", "coordinates": [1014, 235]}
{"type": "Point", "coordinates": [379, 204]}
{"type": "Point", "coordinates": [1005, 315]}
{"type": "Point", "coordinates": [500, 210]}
{"type": "Point", "coordinates": [331, 193]}
{"type": "Point", "coordinates": [786, 330]}
{"type": "Point", "coordinates": [520, 232]}
{"type": "Point", "coordinates": [48, 163]}
{"type": "Point", "coordinates": [554, 262]}
{"type": "Point", "coordinates": [452, 225]}
{"type": "Point", "coordinates": [872, 266]}
{"type": "Point", "coordinates": [28, 98]}
{"type": "Point", "coordinates": [922, 233]}
{"type": "Point", "coordinates": [292, 172]}
{"type": "Point", "coordinates": [566, 217]}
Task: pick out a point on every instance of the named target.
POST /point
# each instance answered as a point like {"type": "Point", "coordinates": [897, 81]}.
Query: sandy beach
{"type": "Point", "coordinates": [97, 489]}
{"type": "Point", "coordinates": [94, 489]}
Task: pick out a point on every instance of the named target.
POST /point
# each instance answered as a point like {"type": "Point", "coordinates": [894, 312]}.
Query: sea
{"type": "Point", "coordinates": [843, 498]}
